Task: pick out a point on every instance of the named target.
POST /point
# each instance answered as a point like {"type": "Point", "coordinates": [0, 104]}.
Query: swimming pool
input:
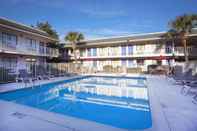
{"type": "Point", "coordinates": [120, 102]}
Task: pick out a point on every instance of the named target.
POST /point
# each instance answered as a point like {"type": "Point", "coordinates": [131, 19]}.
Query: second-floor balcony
{"type": "Point", "coordinates": [178, 51]}
{"type": "Point", "coordinates": [28, 50]}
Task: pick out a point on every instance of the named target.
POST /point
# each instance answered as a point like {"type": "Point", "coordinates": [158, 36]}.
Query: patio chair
{"type": "Point", "coordinates": [61, 73]}
{"type": "Point", "coordinates": [42, 74]}
{"type": "Point", "coordinates": [25, 77]}
{"type": "Point", "coordinates": [195, 99]}
{"type": "Point", "coordinates": [182, 78]}
{"type": "Point", "coordinates": [66, 74]}
{"type": "Point", "coordinates": [190, 86]}
{"type": "Point", "coordinates": [70, 74]}
{"type": "Point", "coordinates": [55, 72]}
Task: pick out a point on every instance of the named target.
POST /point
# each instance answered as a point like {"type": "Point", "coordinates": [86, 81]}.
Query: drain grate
{"type": "Point", "coordinates": [19, 115]}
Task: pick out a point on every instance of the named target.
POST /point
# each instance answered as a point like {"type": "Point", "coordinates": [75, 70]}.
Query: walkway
{"type": "Point", "coordinates": [179, 110]}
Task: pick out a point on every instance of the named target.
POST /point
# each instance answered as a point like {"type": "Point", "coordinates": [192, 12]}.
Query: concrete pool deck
{"type": "Point", "coordinates": [171, 111]}
{"type": "Point", "coordinates": [178, 110]}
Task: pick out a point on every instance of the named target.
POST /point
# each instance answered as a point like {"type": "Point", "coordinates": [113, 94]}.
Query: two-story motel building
{"type": "Point", "coordinates": [133, 51]}
{"type": "Point", "coordinates": [21, 46]}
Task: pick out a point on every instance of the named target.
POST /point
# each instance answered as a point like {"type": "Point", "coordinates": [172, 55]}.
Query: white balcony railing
{"type": "Point", "coordinates": [52, 52]}
{"type": "Point", "coordinates": [26, 50]}
{"type": "Point", "coordinates": [178, 51]}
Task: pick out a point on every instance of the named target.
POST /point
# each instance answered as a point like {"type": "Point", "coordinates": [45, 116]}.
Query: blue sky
{"type": "Point", "coordinates": [98, 18]}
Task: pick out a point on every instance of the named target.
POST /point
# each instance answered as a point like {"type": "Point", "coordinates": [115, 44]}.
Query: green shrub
{"type": "Point", "coordinates": [108, 69]}
{"type": "Point", "coordinates": [134, 70]}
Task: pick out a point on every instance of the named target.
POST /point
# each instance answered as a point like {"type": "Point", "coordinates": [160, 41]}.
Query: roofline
{"type": "Point", "coordinates": [120, 42]}
{"type": "Point", "coordinates": [132, 35]}
{"type": "Point", "coordinates": [113, 40]}
{"type": "Point", "coordinates": [116, 37]}
{"type": "Point", "coordinates": [19, 23]}
{"type": "Point", "coordinates": [40, 32]}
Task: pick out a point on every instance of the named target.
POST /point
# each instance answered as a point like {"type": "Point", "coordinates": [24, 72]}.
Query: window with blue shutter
{"type": "Point", "coordinates": [130, 50]}
{"type": "Point", "coordinates": [94, 52]}
{"type": "Point", "coordinates": [130, 63]}
{"type": "Point", "coordinates": [123, 50]}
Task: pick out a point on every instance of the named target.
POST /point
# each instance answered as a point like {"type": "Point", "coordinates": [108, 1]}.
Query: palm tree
{"type": "Point", "coordinates": [74, 38]}
{"type": "Point", "coordinates": [171, 36]}
{"type": "Point", "coordinates": [183, 26]}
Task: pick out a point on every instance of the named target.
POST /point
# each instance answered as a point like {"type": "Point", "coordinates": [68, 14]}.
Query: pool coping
{"type": "Point", "coordinates": [158, 119]}
{"type": "Point", "coordinates": [38, 83]}
{"type": "Point", "coordinates": [159, 122]}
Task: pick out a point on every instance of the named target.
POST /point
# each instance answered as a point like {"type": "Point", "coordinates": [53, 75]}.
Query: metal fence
{"type": "Point", "coordinates": [36, 70]}
{"type": "Point", "coordinates": [63, 69]}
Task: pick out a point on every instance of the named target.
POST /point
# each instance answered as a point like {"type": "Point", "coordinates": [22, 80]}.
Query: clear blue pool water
{"type": "Point", "coordinates": [116, 101]}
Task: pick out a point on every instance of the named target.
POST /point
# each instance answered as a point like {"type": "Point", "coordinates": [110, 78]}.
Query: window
{"type": "Point", "coordinates": [130, 50]}
{"type": "Point", "coordinates": [81, 52]}
{"type": "Point", "coordinates": [140, 62]}
{"type": "Point", "coordinates": [41, 48]}
{"type": "Point", "coordinates": [123, 50]}
{"type": "Point", "coordinates": [189, 49]}
{"type": "Point", "coordinates": [42, 61]}
{"type": "Point", "coordinates": [89, 52]}
{"type": "Point", "coordinates": [31, 44]}
{"type": "Point", "coordinates": [105, 51]}
{"type": "Point", "coordinates": [94, 53]}
{"type": "Point", "coordinates": [130, 63]}
{"type": "Point", "coordinates": [168, 48]}
{"type": "Point", "coordinates": [9, 40]}
{"type": "Point", "coordinates": [10, 64]}
{"type": "Point", "coordinates": [30, 65]}
{"type": "Point", "coordinates": [95, 64]}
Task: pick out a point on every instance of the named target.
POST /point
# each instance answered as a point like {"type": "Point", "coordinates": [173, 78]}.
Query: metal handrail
{"type": "Point", "coordinates": [28, 50]}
